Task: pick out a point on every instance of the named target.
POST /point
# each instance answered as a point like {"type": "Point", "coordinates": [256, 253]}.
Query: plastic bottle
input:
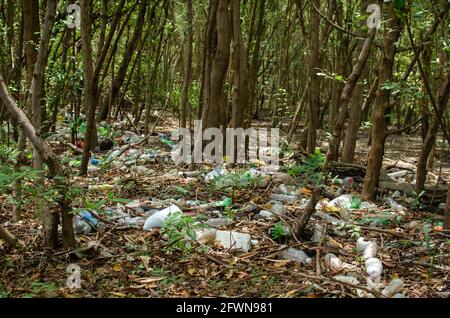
{"type": "Point", "coordinates": [319, 232]}
{"type": "Point", "coordinates": [368, 248]}
{"type": "Point", "coordinates": [332, 262]}
{"type": "Point", "coordinates": [297, 256]}
{"type": "Point", "coordinates": [347, 279]}
{"type": "Point", "coordinates": [374, 268]}
{"type": "Point", "coordinates": [395, 206]}
{"type": "Point", "coordinates": [283, 197]}
{"type": "Point", "coordinates": [157, 219]}
{"type": "Point", "coordinates": [394, 287]}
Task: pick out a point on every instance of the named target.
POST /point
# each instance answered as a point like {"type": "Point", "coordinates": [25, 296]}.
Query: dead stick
{"type": "Point", "coordinates": [310, 209]}
{"type": "Point", "coordinates": [8, 237]}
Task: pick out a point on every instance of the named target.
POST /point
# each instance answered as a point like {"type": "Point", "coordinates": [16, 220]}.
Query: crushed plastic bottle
{"type": "Point", "coordinates": [276, 207]}
{"type": "Point", "coordinates": [157, 219]}
{"type": "Point", "coordinates": [374, 268]}
{"type": "Point", "coordinates": [394, 287]}
{"type": "Point", "coordinates": [297, 256]}
{"type": "Point", "coordinates": [347, 279]}
{"type": "Point", "coordinates": [332, 262]}
{"type": "Point", "coordinates": [217, 172]}
{"type": "Point", "coordinates": [84, 222]}
{"type": "Point", "coordinates": [396, 206]}
{"type": "Point", "coordinates": [368, 248]}
{"type": "Point", "coordinates": [287, 198]}
{"type": "Point", "coordinates": [343, 201]}
{"type": "Point", "coordinates": [319, 232]}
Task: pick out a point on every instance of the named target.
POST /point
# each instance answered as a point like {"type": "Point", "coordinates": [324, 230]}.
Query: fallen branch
{"type": "Point", "coordinates": [8, 237]}
{"type": "Point", "coordinates": [310, 209]}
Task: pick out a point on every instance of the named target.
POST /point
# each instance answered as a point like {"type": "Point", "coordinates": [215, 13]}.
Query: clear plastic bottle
{"type": "Point", "coordinates": [332, 262]}
{"type": "Point", "coordinates": [374, 268]}
{"type": "Point", "coordinates": [297, 256]}
{"type": "Point", "coordinates": [394, 287]}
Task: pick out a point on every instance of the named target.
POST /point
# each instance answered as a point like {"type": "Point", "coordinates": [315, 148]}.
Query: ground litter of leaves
{"type": "Point", "coordinates": [125, 262]}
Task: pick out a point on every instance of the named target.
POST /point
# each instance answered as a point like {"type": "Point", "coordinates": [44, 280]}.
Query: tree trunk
{"type": "Point", "coordinates": [355, 113]}
{"type": "Point", "coordinates": [314, 83]}
{"type": "Point", "coordinates": [89, 87]}
{"type": "Point", "coordinates": [37, 83]}
{"type": "Point", "coordinates": [31, 34]}
{"type": "Point", "coordinates": [212, 113]}
{"type": "Point", "coordinates": [241, 89]}
{"type": "Point", "coordinates": [376, 153]}
{"type": "Point", "coordinates": [185, 106]}
{"type": "Point", "coordinates": [333, 150]}
{"type": "Point", "coordinates": [447, 212]}
{"type": "Point", "coordinates": [126, 59]}
{"type": "Point", "coordinates": [50, 158]}
{"type": "Point", "coordinates": [430, 138]}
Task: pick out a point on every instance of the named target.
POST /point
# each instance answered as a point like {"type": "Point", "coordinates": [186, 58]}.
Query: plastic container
{"type": "Point", "coordinates": [395, 206]}
{"type": "Point", "coordinates": [394, 287]}
{"type": "Point", "coordinates": [368, 248]}
{"type": "Point", "coordinates": [319, 232]}
{"type": "Point", "coordinates": [84, 222]}
{"type": "Point", "coordinates": [332, 262]}
{"type": "Point", "coordinates": [287, 198]}
{"type": "Point", "coordinates": [157, 219]}
{"type": "Point", "coordinates": [297, 256]}
{"type": "Point", "coordinates": [374, 268]}
{"type": "Point", "coordinates": [217, 172]}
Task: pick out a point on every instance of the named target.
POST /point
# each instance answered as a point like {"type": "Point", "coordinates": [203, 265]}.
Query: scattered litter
{"type": "Point", "coordinates": [84, 222]}
{"type": "Point", "coordinates": [394, 287]}
{"type": "Point", "coordinates": [157, 219]}
{"type": "Point", "coordinates": [234, 240]}
{"type": "Point", "coordinates": [297, 256]}
{"type": "Point", "coordinates": [332, 262]}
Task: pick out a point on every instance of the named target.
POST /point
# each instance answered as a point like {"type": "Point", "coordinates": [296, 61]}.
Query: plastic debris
{"type": "Point", "coordinates": [84, 222]}
{"type": "Point", "coordinates": [368, 248]}
{"type": "Point", "coordinates": [319, 232]}
{"type": "Point", "coordinates": [157, 219]}
{"type": "Point", "coordinates": [276, 207]}
{"type": "Point", "coordinates": [347, 279]}
{"type": "Point", "coordinates": [395, 206]}
{"type": "Point", "coordinates": [266, 215]}
{"type": "Point", "coordinates": [206, 236]}
{"type": "Point", "coordinates": [395, 286]}
{"type": "Point", "coordinates": [287, 198]}
{"type": "Point", "coordinates": [297, 256]}
{"type": "Point", "coordinates": [332, 262]}
{"type": "Point", "coordinates": [217, 172]}
{"type": "Point", "coordinates": [374, 268]}
{"type": "Point", "coordinates": [133, 204]}
{"type": "Point", "coordinates": [95, 162]}
{"type": "Point", "coordinates": [234, 240]}
{"type": "Point", "coordinates": [101, 187]}
{"type": "Point", "coordinates": [218, 222]}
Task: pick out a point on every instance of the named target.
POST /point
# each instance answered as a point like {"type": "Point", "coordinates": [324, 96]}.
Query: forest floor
{"type": "Point", "coordinates": [125, 261]}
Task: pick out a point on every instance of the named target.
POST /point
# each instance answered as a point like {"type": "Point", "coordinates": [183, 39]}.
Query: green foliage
{"type": "Point", "coordinates": [180, 232]}
{"type": "Point", "coordinates": [311, 169]}
{"type": "Point", "coordinates": [279, 231]}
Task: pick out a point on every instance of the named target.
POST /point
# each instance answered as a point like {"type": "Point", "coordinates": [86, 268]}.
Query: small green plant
{"type": "Point", "coordinates": [311, 169]}
{"type": "Point", "coordinates": [179, 229]}
{"type": "Point", "coordinates": [229, 213]}
{"type": "Point", "coordinates": [430, 253]}
{"type": "Point", "coordinates": [279, 231]}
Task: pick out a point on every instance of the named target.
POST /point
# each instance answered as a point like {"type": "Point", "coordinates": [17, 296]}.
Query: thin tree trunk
{"type": "Point", "coordinates": [314, 83]}
{"type": "Point", "coordinates": [185, 106]}
{"type": "Point", "coordinates": [376, 153]}
{"type": "Point", "coordinates": [52, 161]}
{"type": "Point", "coordinates": [333, 150]}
